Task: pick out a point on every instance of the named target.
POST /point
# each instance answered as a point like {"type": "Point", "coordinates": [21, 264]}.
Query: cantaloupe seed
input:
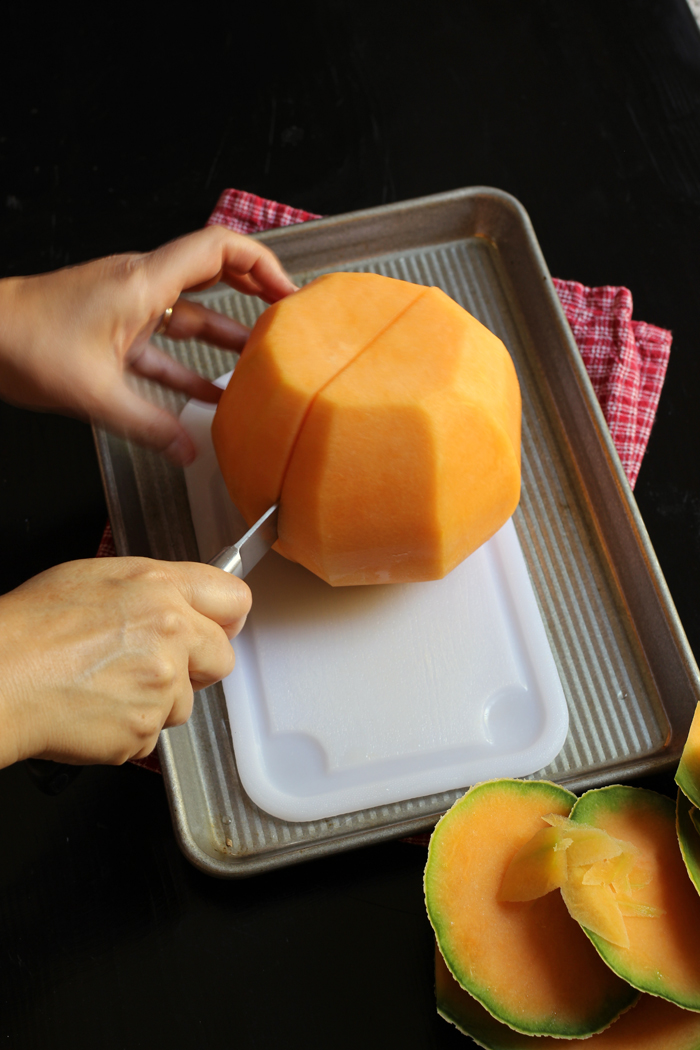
{"type": "Point", "coordinates": [537, 868]}
{"type": "Point", "coordinates": [651, 1024]}
{"type": "Point", "coordinates": [592, 870]}
{"type": "Point", "coordinates": [528, 963]}
{"type": "Point", "coordinates": [688, 774]}
{"type": "Point", "coordinates": [628, 906]}
{"type": "Point", "coordinates": [663, 957]}
{"type": "Point", "coordinates": [589, 845]}
{"type": "Point", "coordinates": [614, 871]}
{"type": "Point", "coordinates": [595, 907]}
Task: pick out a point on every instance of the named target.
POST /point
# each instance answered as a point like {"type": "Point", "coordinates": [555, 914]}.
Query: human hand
{"type": "Point", "coordinates": [69, 339]}
{"type": "Point", "coordinates": [97, 656]}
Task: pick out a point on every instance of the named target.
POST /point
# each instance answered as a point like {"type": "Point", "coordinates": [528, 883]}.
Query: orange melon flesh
{"type": "Point", "coordinates": [262, 409]}
{"type": "Point", "coordinates": [388, 429]}
{"type": "Point", "coordinates": [651, 1024]}
{"type": "Point", "coordinates": [527, 963]}
{"type": "Point", "coordinates": [688, 774]}
{"type": "Point", "coordinates": [663, 957]}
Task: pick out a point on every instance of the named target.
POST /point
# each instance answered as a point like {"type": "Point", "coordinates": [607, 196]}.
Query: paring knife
{"type": "Point", "coordinates": [240, 558]}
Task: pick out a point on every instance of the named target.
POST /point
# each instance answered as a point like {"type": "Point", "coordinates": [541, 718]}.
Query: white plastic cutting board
{"type": "Point", "coordinates": [349, 698]}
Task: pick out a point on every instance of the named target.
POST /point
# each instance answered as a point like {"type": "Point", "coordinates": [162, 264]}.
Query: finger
{"type": "Point", "coordinates": [215, 594]}
{"type": "Point", "coordinates": [124, 412]}
{"type": "Point", "coordinates": [178, 714]}
{"type": "Point", "coordinates": [205, 284]}
{"type": "Point", "coordinates": [193, 321]}
{"type": "Point", "coordinates": [200, 256]}
{"type": "Point", "coordinates": [211, 658]}
{"type": "Point", "coordinates": [153, 363]}
{"type": "Point", "coordinates": [182, 708]}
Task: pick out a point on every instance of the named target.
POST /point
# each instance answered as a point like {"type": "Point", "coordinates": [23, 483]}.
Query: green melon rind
{"type": "Point", "coordinates": [462, 1010]}
{"type": "Point", "coordinates": [542, 1027]}
{"type": "Point", "coordinates": [585, 811]}
{"type": "Point", "coordinates": [688, 838]}
{"type": "Point", "coordinates": [477, 1023]}
{"type": "Point", "coordinates": [469, 1017]}
{"type": "Point", "coordinates": [687, 772]}
{"type": "Point", "coordinates": [688, 784]}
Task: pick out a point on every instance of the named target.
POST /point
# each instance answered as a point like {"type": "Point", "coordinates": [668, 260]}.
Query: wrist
{"type": "Point", "coordinates": [12, 341]}
{"type": "Point", "coordinates": [17, 740]}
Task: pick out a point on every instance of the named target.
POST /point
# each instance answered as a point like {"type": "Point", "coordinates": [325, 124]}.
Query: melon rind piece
{"type": "Point", "coordinates": [651, 1024]}
{"type": "Point", "coordinates": [688, 838]}
{"type": "Point", "coordinates": [688, 773]}
{"type": "Point", "coordinates": [663, 957]}
{"type": "Point", "coordinates": [528, 964]}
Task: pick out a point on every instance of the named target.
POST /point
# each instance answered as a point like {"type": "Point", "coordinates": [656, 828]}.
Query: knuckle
{"type": "Point", "coordinates": [147, 725]}
{"type": "Point", "coordinates": [181, 711]}
{"type": "Point", "coordinates": [161, 672]}
{"type": "Point", "coordinates": [171, 622]}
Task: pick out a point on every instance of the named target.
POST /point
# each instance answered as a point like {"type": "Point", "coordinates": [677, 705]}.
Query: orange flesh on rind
{"type": "Point", "coordinates": [651, 1024]}
{"type": "Point", "coordinates": [688, 774]}
{"type": "Point", "coordinates": [527, 963]}
{"type": "Point", "coordinates": [663, 956]}
{"type": "Point", "coordinates": [688, 838]}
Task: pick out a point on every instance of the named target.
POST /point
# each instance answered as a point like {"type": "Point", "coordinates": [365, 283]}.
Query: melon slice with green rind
{"type": "Point", "coordinates": [528, 963]}
{"type": "Point", "coordinates": [663, 957]}
{"type": "Point", "coordinates": [688, 837]}
{"type": "Point", "coordinates": [651, 1024]}
{"type": "Point", "coordinates": [688, 773]}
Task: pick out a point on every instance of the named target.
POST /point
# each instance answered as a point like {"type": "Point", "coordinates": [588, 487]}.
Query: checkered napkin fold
{"type": "Point", "coordinates": [626, 360]}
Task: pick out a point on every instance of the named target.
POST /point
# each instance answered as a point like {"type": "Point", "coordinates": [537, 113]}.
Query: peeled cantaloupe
{"type": "Point", "coordinates": [527, 962]}
{"type": "Point", "coordinates": [688, 774]}
{"type": "Point", "coordinates": [385, 420]}
{"type": "Point", "coordinates": [663, 956]}
{"type": "Point", "coordinates": [650, 1024]}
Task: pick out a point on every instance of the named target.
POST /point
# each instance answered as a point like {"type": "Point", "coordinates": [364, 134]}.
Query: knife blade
{"type": "Point", "coordinates": [240, 557]}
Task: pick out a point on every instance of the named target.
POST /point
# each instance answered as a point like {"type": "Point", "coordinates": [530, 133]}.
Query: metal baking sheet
{"type": "Point", "coordinates": [629, 676]}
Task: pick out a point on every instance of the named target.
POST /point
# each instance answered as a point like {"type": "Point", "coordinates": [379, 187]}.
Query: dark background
{"type": "Point", "coordinates": [118, 132]}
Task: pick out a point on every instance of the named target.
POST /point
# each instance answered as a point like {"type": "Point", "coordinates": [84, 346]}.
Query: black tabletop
{"type": "Point", "coordinates": [118, 132]}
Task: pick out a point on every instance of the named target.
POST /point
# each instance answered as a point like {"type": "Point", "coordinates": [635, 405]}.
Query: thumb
{"type": "Point", "coordinates": [130, 415]}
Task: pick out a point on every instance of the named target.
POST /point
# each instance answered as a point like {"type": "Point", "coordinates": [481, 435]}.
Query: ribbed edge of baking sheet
{"type": "Point", "coordinates": [617, 718]}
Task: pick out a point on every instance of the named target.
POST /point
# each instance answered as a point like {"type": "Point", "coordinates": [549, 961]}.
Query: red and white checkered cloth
{"type": "Point", "coordinates": [625, 359]}
{"type": "Point", "coordinates": [246, 213]}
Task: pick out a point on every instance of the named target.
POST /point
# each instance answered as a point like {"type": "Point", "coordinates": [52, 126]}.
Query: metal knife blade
{"type": "Point", "coordinates": [241, 557]}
